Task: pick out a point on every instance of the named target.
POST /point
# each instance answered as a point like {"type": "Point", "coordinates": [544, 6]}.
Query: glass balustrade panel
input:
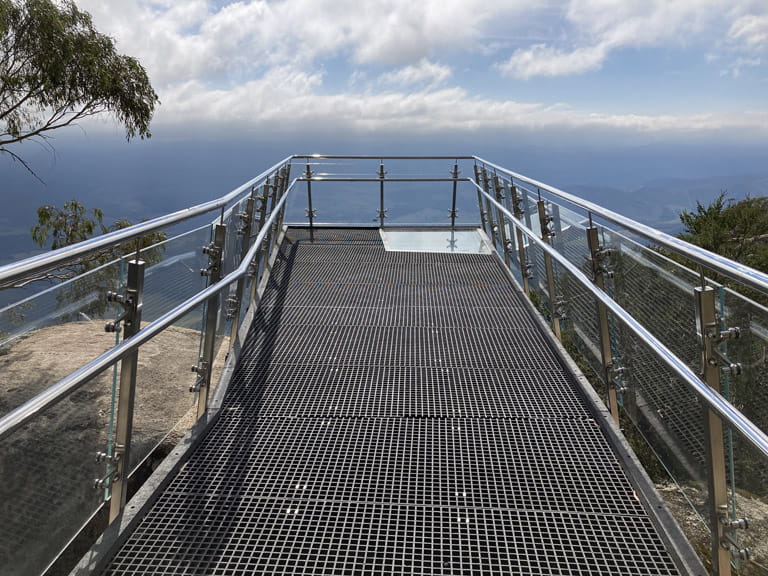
{"type": "Point", "coordinates": [48, 471]}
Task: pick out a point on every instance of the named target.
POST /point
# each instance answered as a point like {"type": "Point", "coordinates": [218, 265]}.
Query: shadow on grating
{"type": "Point", "coordinates": [396, 413]}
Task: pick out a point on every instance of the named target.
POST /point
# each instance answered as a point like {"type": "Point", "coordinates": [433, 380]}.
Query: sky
{"type": "Point", "coordinates": [602, 69]}
{"type": "Point", "coordinates": [645, 106]}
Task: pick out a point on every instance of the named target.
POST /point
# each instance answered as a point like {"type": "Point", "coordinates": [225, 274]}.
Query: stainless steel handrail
{"type": "Point", "coordinates": [19, 416]}
{"type": "Point", "coordinates": [722, 265]}
{"type": "Point", "coordinates": [713, 399]}
{"type": "Point", "coordinates": [369, 157]}
{"type": "Point", "coordinates": [54, 259]}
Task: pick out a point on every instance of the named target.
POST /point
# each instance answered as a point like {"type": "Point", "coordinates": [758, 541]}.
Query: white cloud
{"type": "Point", "coordinates": [269, 65]}
{"type": "Point", "coordinates": [543, 60]}
{"type": "Point", "coordinates": [286, 101]}
{"type": "Point", "coordinates": [595, 28]}
{"type": "Point", "coordinates": [424, 72]}
{"type": "Point", "coordinates": [750, 31]}
{"type": "Point", "coordinates": [177, 40]}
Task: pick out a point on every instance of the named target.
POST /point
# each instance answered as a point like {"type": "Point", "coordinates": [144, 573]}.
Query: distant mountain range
{"type": "Point", "coordinates": [659, 202]}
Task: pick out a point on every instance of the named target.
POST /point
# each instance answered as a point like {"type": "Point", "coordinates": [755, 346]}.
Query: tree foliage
{"type": "Point", "coordinates": [65, 226]}
{"type": "Point", "coordinates": [736, 230]}
{"type": "Point", "coordinates": [73, 223]}
{"type": "Point", "coordinates": [56, 69]}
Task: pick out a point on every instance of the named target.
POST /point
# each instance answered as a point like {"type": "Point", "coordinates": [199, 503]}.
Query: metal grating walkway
{"type": "Point", "coordinates": [396, 413]}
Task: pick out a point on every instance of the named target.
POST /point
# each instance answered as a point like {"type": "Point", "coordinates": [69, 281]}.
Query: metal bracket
{"type": "Point", "coordinates": [527, 267]}
{"type": "Point", "coordinates": [616, 380]}
{"type": "Point", "coordinates": [214, 259]}
{"type": "Point", "coordinates": [243, 228]}
{"type": "Point", "coordinates": [546, 226]}
{"type": "Point", "coordinates": [380, 214]}
{"type": "Point", "coordinates": [231, 307]}
{"type": "Point", "coordinates": [733, 368]}
{"type": "Point", "coordinates": [129, 311]}
{"type": "Point", "coordinates": [453, 213]}
{"type": "Point", "coordinates": [311, 213]}
{"type": "Point", "coordinates": [728, 541]}
{"type": "Point", "coordinates": [113, 475]}
{"type": "Point", "coordinates": [560, 304]}
{"type": "Point", "coordinates": [201, 369]}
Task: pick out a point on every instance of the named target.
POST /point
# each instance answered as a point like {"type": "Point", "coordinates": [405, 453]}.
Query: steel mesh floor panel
{"type": "Point", "coordinates": [378, 272]}
{"type": "Point", "coordinates": [331, 293]}
{"type": "Point", "coordinates": [297, 235]}
{"type": "Point", "coordinates": [397, 346]}
{"type": "Point", "coordinates": [268, 318]}
{"type": "Point", "coordinates": [239, 536]}
{"type": "Point", "coordinates": [396, 413]}
{"type": "Point", "coordinates": [508, 464]}
{"type": "Point", "coordinates": [281, 390]}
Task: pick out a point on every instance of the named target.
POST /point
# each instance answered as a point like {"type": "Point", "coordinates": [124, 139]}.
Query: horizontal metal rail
{"type": "Point", "coordinates": [18, 417]}
{"type": "Point", "coordinates": [713, 399]}
{"type": "Point", "coordinates": [720, 264]}
{"type": "Point", "coordinates": [368, 157]}
{"type": "Point", "coordinates": [356, 179]}
{"type": "Point", "coordinates": [11, 273]}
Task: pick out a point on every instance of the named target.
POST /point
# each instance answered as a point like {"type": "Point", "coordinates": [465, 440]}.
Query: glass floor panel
{"type": "Point", "coordinates": [445, 240]}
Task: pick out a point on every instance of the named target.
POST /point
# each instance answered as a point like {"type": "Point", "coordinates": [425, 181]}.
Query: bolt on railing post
{"type": "Point", "coordinates": [455, 176]}
{"type": "Point", "coordinates": [546, 236]}
{"type": "Point", "coordinates": [606, 353]}
{"type": "Point", "coordinates": [480, 203]}
{"type": "Point", "coordinates": [706, 316]}
{"type": "Point", "coordinates": [518, 211]}
{"type": "Point", "coordinates": [310, 209]}
{"type": "Point", "coordinates": [382, 211]}
{"type": "Point", "coordinates": [505, 243]}
{"type": "Point", "coordinates": [245, 233]}
{"type": "Point", "coordinates": [132, 302]}
{"type": "Point", "coordinates": [205, 368]}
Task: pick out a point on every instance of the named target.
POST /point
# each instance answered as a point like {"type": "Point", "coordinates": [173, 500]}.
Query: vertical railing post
{"type": "Point", "coordinates": [598, 256]}
{"type": "Point", "coordinates": [382, 210]}
{"type": "Point", "coordinates": [545, 221]}
{"type": "Point", "coordinates": [131, 323]}
{"type": "Point", "coordinates": [499, 195]}
{"type": "Point", "coordinates": [233, 312]}
{"type": "Point", "coordinates": [489, 208]}
{"type": "Point", "coordinates": [310, 210]}
{"type": "Point", "coordinates": [257, 261]}
{"type": "Point", "coordinates": [706, 316]}
{"type": "Point", "coordinates": [204, 369]}
{"type": "Point", "coordinates": [518, 210]}
{"type": "Point", "coordinates": [480, 203]}
{"type": "Point", "coordinates": [285, 175]}
{"type": "Point", "coordinates": [453, 213]}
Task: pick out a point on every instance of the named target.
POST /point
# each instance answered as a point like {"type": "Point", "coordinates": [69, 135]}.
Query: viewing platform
{"type": "Point", "coordinates": [374, 395]}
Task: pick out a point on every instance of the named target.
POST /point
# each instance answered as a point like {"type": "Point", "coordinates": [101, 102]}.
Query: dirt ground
{"type": "Point", "coordinates": [755, 537]}
{"type": "Point", "coordinates": [48, 468]}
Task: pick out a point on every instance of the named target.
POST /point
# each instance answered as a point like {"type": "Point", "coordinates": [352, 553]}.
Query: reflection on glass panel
{"type": "Point", "coordinates": [668, 432]}
{"type": "Point", "coordinates": [748, 391]}
{"type": "Point", "coordinates": [47, 336]}
{"type": "Point", "coordinates": [580, 326]}
{"type": "Point", "coordinates": [750, 501]}
{"type": "Point", "coordinates": [47, 473]}
{"type": "Point", "coordinates": [657, 292]}
{"type": "Point", "coordinates": [418, 203]}
{"type": "Point", "coordinates": [164, 406]}
{"type": "Point", "coordinates": [175, 276]}
{"type": "Point", "coordinates": [342, 202]}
